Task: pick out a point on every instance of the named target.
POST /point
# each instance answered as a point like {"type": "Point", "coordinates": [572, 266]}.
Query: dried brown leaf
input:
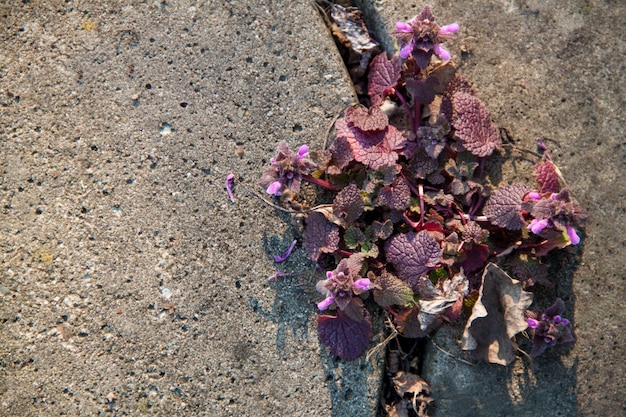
{"type": "Point", "coordinates": [498, 315]}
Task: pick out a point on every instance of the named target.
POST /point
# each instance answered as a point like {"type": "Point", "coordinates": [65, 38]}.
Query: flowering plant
{"type": "Point", "coordinates": [411, 220]}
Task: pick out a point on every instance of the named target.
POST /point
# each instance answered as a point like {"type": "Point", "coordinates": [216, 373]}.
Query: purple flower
{"type": "Point", "coordinates": [555, 211]}
{"type": "Point", "coordinates": [573, 237]}
{"type": "Point", "coordinates": [536, 226]}
{"type": "Point", "coordinates": [404, 27]}
{"type": "Point", "coordinates": [285, 255]}
{"type": "Point", "coordinates": [421, 36]}
{"type": "Point", "coordinates": [325, 303]}
{"type": "Point", "coordinates": [286, 169]}
{"type": "Point", "coordinates": [229, 186]}
{"type": "Point", "coordinates": [277, 274]}
{"type": "Point", "coordinates": [342, 283]}
{"type": "Point", "coordinates": [361, 285]}
{"type": "Point", "coordinates": [274, 188]}
{"type": "Point", "coordinates": [441, 52]}
{"type": "Point", "coordinates": [549, 328]}
{"type": "Point", "coordinates": [532, 323]}
{"type": "Point", "coordinates": [303, 152]}
{"type": "Point", "coordinates": [449, 29]}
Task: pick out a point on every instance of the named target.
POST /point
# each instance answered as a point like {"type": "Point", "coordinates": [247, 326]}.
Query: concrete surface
{"type": "Point", "coordinates": [130, 285]}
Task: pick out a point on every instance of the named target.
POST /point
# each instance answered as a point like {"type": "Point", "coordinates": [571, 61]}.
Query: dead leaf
{"type": "Point", "coordinates": [404, 382]}
{"type": "Point", "coordinates": [498, 315]}
{"type": "Point", "coordinates": [408, 383]}
{"type": "Point", "coordinates": [400, 409]}
{"type": "Point", "coordinates": [350, 30]}
{"type": "Point", "coordinates": [440, 300]}
{"type": "Point", "coordinates": [327, 211]}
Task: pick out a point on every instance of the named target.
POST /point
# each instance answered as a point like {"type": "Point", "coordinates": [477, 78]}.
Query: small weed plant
{"type": "Point", "coordinates": [411, 222]}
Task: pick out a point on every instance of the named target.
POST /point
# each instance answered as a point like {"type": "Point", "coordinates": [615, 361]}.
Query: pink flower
{"type": "Point", "coordinates": [537, 225]}
{"type": "Point", "coordinates": [421, 36]}
{"type": "Point", "coordinates": [449, 29]}
{"type": "Point", "coordinates": [229, 186]}
{"type": "Point", "coordinates": [441, 52]}
{"type": "Point", "coordinates": [285, 255]}
{"type": "Point", "coordinates": [573, 237]}
{"type": "Point", "coordinates": [325, 303]}
{"type": "Point", "coordinates": [361, 285]}
{"type": "Point", "coordinates": [287, 169]}
{"type": "Point", "coordinates": [274, 188]}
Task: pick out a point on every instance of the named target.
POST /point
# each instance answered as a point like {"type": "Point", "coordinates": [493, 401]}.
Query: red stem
{"type": "Point", "coordinates": [319, 182]}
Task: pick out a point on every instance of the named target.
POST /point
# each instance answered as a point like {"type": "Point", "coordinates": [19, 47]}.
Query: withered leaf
{"type": "Point", "coordinates": [498, 315]}
{"type": "Point", "coordinates": [404, 382]}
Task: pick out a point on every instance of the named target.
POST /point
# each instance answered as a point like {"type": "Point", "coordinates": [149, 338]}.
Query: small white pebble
{"type": "Point", "coordinates": [166, 293]}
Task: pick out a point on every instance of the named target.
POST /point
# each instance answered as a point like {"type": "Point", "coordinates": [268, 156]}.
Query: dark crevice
{"type": "Point", "coordinates": [402, 354]}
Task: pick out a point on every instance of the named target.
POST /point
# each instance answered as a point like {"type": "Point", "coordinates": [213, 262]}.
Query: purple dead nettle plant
{"type": "Point", "coordinates": [287, 169]}
{"type": "Point", "coordinates": [411, 223]}
{"type": "Point", "coordinates": [421, 36]}
{"type": "Point", "coordinates": [549, 328]}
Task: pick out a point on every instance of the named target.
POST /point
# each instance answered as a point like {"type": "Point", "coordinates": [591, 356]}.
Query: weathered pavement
{"type": "Point", "coordinates": [130, 285]}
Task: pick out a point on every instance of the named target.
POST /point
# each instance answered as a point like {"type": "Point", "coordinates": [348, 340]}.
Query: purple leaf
{"type": "Point", "coordinates": [504, 206]}
{"type": "Point", "coordinates": [422, 165]}
{"type": "Point", "coordinates": [383, 76]}
{"type": "Point", "coordinates": [395, 197]}
{"type": "Point", "coordinates": [366, 120]}
{"type": "Point", "coordinates": [530, 272]}
{"type": "Point", "coordinates": [382, 230]}
{"type": "Point", "coordinates": [413, 255]}
{"type": "Point", "coordinates": [320, 236]}
{"type": "Point", "coordinates": [472, 232]}
{"type": "Point", "coordinates": [346, 337]}
{"type": "Point", "coordinates": [341, 152]}
{"type": "Point", "coordinates": [348, 204]}
{"type": "Point", "coordinates": [475, 258]}
{"type": "Point", "coordinates": [422, 91]}
{"type": "Point", "coordinates": [458, 84]}
{"type": "Point", "coordinates": [376, 149]}
{"type": "Point", "coordinates": [473, 126]}
{"type": "Point", "coordinates": [547, 177]}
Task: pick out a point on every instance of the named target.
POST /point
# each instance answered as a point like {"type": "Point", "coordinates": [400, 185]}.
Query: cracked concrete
{"type": "Point", "coordinates": [130, 285]}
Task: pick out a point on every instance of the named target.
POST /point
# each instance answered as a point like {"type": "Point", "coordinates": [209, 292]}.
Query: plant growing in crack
{"type": "Point", "coordinates": [411, 222]}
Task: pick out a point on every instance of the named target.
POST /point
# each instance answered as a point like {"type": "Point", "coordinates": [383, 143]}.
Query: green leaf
{"type": "Point", "coordinates": [380, 231]}
{"type": "Point", "coordinates": [369, 249]}
{"type": "Point", "coordinates": [393, 291]}
{"type": "Point", "coordinates": [437, 274]}
{"type": "Point", "coordinates": [353, 237]}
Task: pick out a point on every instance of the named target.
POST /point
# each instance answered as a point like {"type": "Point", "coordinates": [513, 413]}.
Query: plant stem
{"type": "Point", "coordinates": [408, 108]}
{"type": "Point", "coordinates": [319, 182]}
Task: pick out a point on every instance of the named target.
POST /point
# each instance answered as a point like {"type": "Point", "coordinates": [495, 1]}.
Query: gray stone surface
{"type": "Point", "coordinates": [551, 69]}
{"type": "Point", "coordinates": [130, 284]}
